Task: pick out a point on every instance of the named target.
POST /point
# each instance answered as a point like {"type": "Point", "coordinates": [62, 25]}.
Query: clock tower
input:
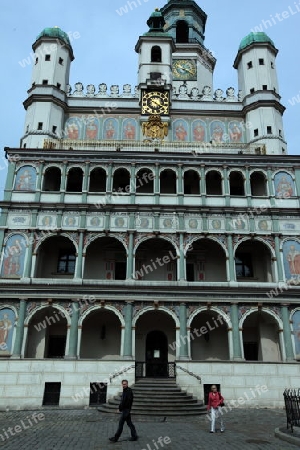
{"type": "Point", "coordinates": [155, 50]}
{"type": "Point", "coordinates": [192, 64]}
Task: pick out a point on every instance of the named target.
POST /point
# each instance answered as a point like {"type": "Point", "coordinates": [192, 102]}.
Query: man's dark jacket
{"type": "Point", "coordinates": [126, 400]}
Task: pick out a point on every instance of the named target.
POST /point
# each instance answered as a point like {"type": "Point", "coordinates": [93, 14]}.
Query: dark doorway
{"type": "Point", "coordinates": [156, 354]}
{"type": "Point", "coordinates": [56, 347]}
{"type": "Point", "coordinates": [98, 393]}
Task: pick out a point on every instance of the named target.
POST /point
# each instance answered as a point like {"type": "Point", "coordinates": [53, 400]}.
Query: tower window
{"type": "Point", "coordinates": [40, 125]}
{"type": "Point", "coordinates": [155, 75]}
{"type": "Point", "coordinates": [280, 133]}
{"type": "Point", "coordinates": [182, 32]}
{"type": "Point", "coordinates": [36, 60]}
{"type": "Point", "coordinates": [60, 61]}
{"type": "Point", "coordinates": [27, 128]}
{"type": "Point", "coordinates": [249, 65]}
{"type": "Point", "coordinates": [54, 128]}
{"type": "Point", "coordinates": [261, 61]}
{"type": "Point", "coordinates": [45, 82]}
{"type": "Point", "coordinates": [156, 54]}
{"type": "Point", "coordinates": [58, 85]}
{"type": "Point", "coordinates": [252, 90]}
{"type": "Point", "coordinates": [47, 57]}
{"type": "Point", "coordinates": [256, 132]}
{"type": "Point", "coordinates": [272, 65]}
{"type": "Point", "coordinates": [269, 130]}
{"type": "Point", "coordinates": [265, 87]}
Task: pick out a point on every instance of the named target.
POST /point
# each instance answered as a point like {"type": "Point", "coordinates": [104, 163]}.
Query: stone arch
{"type": "Point", "coordinates": [153, 308]}
{"type": "Point", "coordinates": [147, 238]}
{"type": "Point", "coordinates": [50, 235]}
{"type": "Point", "coordinates": [262, 337]}
{"type": "Point", "coordinates": [211, 238]}
{"type": "Point", "coordinates": [255, 260]}
{"type": "Point", "coordinates": [47, 332]}
{"type": "Point", "coordinates": [97, 307]}
{"type": "Point", "coordinates": [101, 330]}
{"type": "Point", "coordinates": [205, 260]}
{"type": "Point", "coordinates": [100, 235]}
{"type": "Point", "coordinates": [45, 306]}
{"type": "Point", "coordinates": [209, 334]}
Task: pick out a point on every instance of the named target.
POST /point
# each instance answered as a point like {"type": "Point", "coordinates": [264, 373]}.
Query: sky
{"type": "Point", "coordinates": [104, 34]}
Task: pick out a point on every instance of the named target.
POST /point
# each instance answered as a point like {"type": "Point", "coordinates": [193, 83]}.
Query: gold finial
{"type": "Point", "coordinates": [157, 9]}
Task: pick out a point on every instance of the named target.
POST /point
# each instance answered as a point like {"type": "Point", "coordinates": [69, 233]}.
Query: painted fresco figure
{"type": "Point", "coordinates": [5, 326]}
{"type": "Point", "coordinates": [284, 188]}
{"type": "Point", "coordinates": [293, 258]}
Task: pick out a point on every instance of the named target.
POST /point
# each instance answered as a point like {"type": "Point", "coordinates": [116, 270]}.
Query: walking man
{"type": "Point", "coordinates": [124, 409]}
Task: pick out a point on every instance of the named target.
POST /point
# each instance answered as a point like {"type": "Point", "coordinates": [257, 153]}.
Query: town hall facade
{"type": "Point", "coordinates": [151, 230]}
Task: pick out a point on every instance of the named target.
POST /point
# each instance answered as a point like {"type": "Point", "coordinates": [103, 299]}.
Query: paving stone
{"type": "Point", "coordinates": [251, 429]}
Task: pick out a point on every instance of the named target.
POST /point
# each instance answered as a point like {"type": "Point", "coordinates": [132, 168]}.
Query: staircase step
{"type": "Point", "coordinates": [158, 397]}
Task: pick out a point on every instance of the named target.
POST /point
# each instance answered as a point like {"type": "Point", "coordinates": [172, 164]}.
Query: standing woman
{"type": "Point", "coordinates": [215, 400]}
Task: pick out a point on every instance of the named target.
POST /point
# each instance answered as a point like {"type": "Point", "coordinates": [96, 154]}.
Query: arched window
{"type": "Point", "coordinates": [258, 184]}
{"type": "Point", "coordinates": [236, 182]}
{"type": "Point", "coordinates": [213, 183]}
{"type": "Point", "coordinates": [182, 32]}
{"type": "Point", "coordinates": [168, 182]}
{"type": "Point", "coordinates": [191, 183]}
{"type": "Point", "coordinates": [74, 181]}
{"type": "Point", "coordinates": [52, 178]}
{"type": "Point", "coordinates": [98, 180]}
{"type": "Point", "coordinates": [156, 54]}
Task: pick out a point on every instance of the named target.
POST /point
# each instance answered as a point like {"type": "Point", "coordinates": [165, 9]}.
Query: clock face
{"type": "Point", "coordinates": [184, 69]}
{"type": "Point", "coordinates": [155, 102]}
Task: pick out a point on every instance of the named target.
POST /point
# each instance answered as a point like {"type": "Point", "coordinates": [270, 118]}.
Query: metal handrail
{"type": "Point", "coordinates": [121, 372]}
{"type": "Point", "coordinates": [189, 372]}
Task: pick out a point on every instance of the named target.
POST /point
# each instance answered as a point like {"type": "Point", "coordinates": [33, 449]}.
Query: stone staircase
{"type": "Point", "coordinates": [158, 397]}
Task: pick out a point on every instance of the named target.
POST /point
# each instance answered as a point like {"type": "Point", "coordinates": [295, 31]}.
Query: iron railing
{"type": "Point", "coordinates": [292, 407]}
{"type": "Point", "coordinates": [154, 370]}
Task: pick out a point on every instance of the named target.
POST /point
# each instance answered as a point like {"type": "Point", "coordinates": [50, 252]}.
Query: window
{"type": "Point", "coordinates": [66, 262]}
{"type": "Point", "coordinates": [24, 146]}
{"type": "Point", "coordinates": [58, 85]}
{"type": "Point", "coordinates": [265, 87]}
{"type": "Point", "coordinates": [252, 90]}
{"type": "Point", "coordinates": [47, 57]}
{"type": "Point", "coordinates": [120, 270]}
{"type": "Point", "coordinates": [54, 128]}
{"type": "Point", "coordinates": [156, 54]}
{"type": "Point", "coordinates": [182, 32]}
{"type": "Point", "coordinates": [272, 65]}
{"type": "Point", "coordinates": [51, 394]}
{"type": "Point", "coordinates": [45, 82]}
{"type": "Point", "coordinates": [261, 61]}
{"type": "Point", "coordinates": [243, 265]}
{"type": "Point", "coordinates": [190, 273]}
{"type": "Point", "coordinates": [269, 130]}
{"type": "Point", "coordinates": [256, 132]}
{"type": "Point", "coordinates": [98, 393]}
{"type": "Point", "coordinates": [249, 65]}
{"type": "Point", "coordinates": [40, 125]}
{"type": "Point", "coordinates": [36, 60]}
{"type": "Point", "coordinates": [60, 61]}
{"type": "Point", "coordinates": [280, 133]}
{"type": "Point", "coordinates": [27, 128]}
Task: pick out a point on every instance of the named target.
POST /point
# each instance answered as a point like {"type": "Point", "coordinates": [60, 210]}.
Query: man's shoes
{"type": "Point", "coordinates": [222, 431]}
{"type": "Point", "coordinates": [113, 439]}
{"type": "Point", "coordinates": [211, 431]}
{"type": "Point", "coordinates": [133, 438]}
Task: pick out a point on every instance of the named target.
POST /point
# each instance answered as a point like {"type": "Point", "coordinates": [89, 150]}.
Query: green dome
{"type": "Point", "coordinates": [55, 32]}
{"type": "Point", "coordinates": [255, 37]}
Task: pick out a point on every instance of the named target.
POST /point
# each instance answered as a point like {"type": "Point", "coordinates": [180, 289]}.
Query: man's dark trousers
{"type": "Point", "coordinates": [125, 417]}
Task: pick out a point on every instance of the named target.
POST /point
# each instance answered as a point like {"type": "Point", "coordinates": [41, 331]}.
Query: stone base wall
{"type": "Point", "coordinates": [22, 382]}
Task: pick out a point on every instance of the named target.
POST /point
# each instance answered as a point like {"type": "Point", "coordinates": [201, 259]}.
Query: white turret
{"type": "Point", "coordinates": [258, 86]}
{"type": "Point", "coordinates": [46, 101]}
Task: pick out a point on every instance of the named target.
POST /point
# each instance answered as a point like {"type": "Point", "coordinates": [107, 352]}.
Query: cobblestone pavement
{"type": "Point", "coordinates": [90, 430]}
